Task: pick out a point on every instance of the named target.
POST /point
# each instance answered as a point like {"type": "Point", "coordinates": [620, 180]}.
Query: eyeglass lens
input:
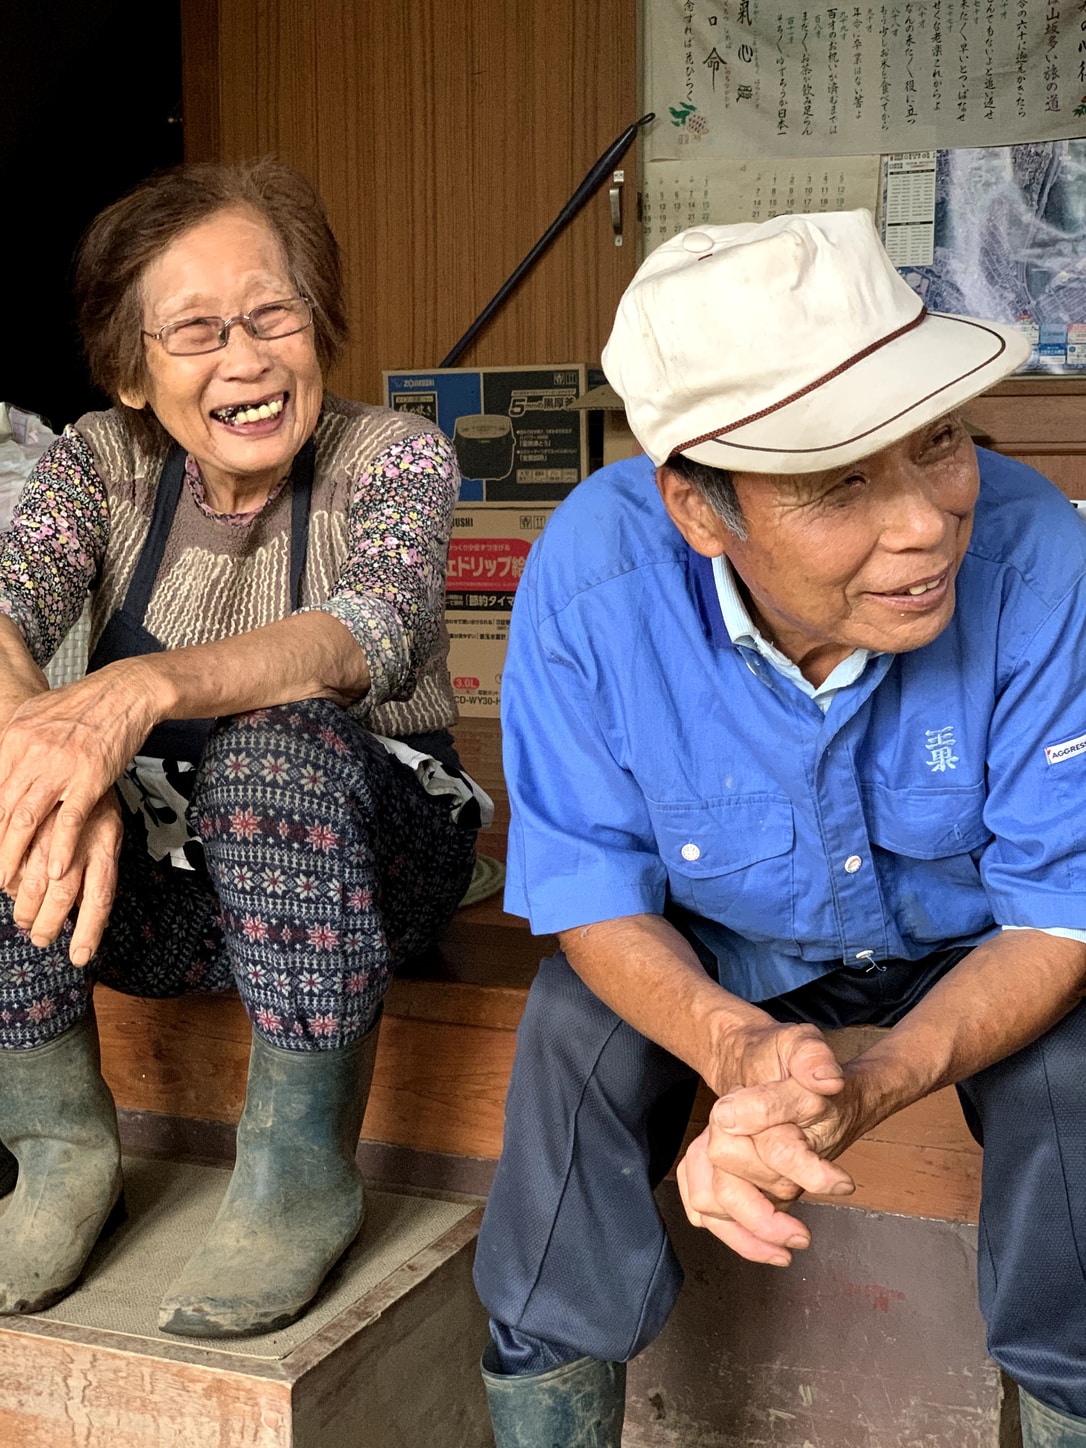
{"type": "Point", "coordinates": [208, 334]}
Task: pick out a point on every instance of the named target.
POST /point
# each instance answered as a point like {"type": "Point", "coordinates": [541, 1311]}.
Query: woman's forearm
{"type": "Point", "coordinates": [306, 656]}
{"type": "Point", "coordinates": [68, 746]}
{"type": "Point", "coordinates": [20, 677]}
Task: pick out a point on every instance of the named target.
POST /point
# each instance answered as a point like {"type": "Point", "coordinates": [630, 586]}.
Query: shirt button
{"type": "Point", "coordinates": [852, 864]}
{"type": "Point", "coordinates": [690, 852]}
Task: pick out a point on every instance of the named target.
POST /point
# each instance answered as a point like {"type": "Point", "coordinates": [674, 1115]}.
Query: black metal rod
{"type": "Point", "coordinates": [588, 187]}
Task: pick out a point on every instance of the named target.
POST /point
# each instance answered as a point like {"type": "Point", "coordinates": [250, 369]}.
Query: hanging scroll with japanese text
{"type": "Point", "coordinates": [784, 78]}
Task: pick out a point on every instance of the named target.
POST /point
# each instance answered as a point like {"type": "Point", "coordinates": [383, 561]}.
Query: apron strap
{"type": "Point", "coordinates": [301, 482]}
{"type": "Point", "coordinates": [170, 480]}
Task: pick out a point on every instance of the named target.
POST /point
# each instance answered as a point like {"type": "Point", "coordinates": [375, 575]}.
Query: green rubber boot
{"type": "Point", "coordinates": [1045, 1427]}
{"type": "Point", "coordinates": [580, 1404]}
{"type": "Point", "coordinates": [58, 1118]}
{"type": "Point", "coordinates": [294, 1203]}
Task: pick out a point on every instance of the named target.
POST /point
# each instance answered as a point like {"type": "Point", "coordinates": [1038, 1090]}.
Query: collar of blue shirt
{"type": "Point", "coordinates": [744, 635]}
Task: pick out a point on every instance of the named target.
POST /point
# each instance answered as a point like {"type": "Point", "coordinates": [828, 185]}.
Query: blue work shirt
{"type": "Point", "coordinates": [652, 761]}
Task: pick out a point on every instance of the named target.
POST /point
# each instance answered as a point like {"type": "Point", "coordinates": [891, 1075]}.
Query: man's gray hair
{"type": "Point", "coordinates": [717, 488]}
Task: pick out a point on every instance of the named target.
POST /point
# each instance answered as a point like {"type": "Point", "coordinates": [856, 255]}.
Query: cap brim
{"type": "Point", "coordinates": [946, 359]}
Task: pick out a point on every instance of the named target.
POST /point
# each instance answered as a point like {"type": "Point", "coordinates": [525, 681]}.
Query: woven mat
{"type": "Point", "coordinates": [487, 878]}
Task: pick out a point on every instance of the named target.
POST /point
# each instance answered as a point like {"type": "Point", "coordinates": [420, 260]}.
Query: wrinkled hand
{"type": "Point", "coordinates": [767, 1140]}
{"type": "Point", "coordinates": [765, 1053]}
{"type": "Point", "coordinates": [66, 748]}
{"type": "Point", "coordinates": [43, 904]}
{"type": "Point", "coordinates": [788, 1124]}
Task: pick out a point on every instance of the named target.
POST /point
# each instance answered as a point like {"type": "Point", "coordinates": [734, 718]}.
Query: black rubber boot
{"type": "Point", "coordinates": [9, 1170]}
{"type": "Point", "coordinates": [578, 1405]}
{"type": "Point", "coordinates": [294, 1203]}
{"type": "Point", "coordinates": [57, 1117]}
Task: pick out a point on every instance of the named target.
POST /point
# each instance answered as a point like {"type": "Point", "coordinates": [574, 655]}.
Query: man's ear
{"type": "Point", "coordinates": [688, 509]}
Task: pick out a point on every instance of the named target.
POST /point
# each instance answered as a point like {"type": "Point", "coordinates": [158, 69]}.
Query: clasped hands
{"type": "Point", "coordinates": [771, 1136]}
{"type": "Point", "coordinates": [60, 823]}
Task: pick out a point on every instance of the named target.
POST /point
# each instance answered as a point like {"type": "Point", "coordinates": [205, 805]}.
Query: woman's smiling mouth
{"type": "Point", "coordinates": [245, 414]}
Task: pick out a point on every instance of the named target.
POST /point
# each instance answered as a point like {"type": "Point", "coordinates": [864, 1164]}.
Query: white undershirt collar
{"type": "Point", "coordinates": [744, 634]}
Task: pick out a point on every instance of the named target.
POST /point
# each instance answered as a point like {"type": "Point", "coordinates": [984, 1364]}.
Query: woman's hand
{"type": "Point", "coordinates": [61, 753]}
{"type": "Point", "coordinates": [43, 904]}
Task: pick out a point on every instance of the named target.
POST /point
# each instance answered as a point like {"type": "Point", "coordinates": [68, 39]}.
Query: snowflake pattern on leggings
{"type": "Point", "coordinates": [328, 865]}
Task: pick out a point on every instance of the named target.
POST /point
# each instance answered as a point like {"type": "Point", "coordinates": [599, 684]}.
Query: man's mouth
{"type": "Point", "coordinates": [241, 414]}
{"type": "Point", "coordinates": [916, 590]}
{"type": "Point", "coordinates": [920, 588]}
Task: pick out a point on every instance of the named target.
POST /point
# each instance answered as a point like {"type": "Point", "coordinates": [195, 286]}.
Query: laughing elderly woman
{"type": "Point", "coordinates": [265, 568]}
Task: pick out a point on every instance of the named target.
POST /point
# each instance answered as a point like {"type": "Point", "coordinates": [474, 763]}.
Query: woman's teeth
{"type": "Point", "coordinates": [262, 411]}
{"type": "Point", "coordinates": [925, 587]}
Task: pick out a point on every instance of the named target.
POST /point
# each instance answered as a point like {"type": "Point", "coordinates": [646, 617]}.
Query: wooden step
{"type": "Point", "coordinates": [389, 1351]}
{"type": "Point", "coordinates": [871, 1339]}
{"type": "Point", "coordinates": [443, 1063]}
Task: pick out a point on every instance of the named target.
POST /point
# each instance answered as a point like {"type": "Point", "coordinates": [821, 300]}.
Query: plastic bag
{"type": "Point", "coordinates": [24, 436]}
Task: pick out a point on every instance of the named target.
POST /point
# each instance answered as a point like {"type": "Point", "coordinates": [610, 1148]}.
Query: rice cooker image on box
{"type": "Point", "coordinates": [485, 446]}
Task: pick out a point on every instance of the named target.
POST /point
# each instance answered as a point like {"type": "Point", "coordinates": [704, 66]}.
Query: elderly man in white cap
{"type": "Point", "coordinates": [795, 727]}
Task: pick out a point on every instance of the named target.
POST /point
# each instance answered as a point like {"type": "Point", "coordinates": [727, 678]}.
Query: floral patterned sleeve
{"type": "Point", "coordinates": [391, 592]}
{"type": "Point", "coordinates": [50, 554]}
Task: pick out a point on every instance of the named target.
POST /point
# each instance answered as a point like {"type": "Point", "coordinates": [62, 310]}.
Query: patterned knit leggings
{"type": "Point", "coordinates": [327, 865]}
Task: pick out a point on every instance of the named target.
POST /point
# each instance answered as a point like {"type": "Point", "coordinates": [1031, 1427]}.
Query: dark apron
{"type": "Point", "coordinates": [124, 636]}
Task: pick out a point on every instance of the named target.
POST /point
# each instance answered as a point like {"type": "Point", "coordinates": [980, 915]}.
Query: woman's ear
{"type": "Point", "coordinates": [689, 510]}
{"type": "Point", "coordinates": [132, 398]}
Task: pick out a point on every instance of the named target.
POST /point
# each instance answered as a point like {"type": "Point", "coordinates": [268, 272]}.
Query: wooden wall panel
{"type": "Point", "coordinates": [444, 138]}
{"type": "Point", "coordinates": [1042, 422]}
{"type": "Point", "coordinates": [200, 79]}
{"type": "Point", "coordinates": [1048, 413]}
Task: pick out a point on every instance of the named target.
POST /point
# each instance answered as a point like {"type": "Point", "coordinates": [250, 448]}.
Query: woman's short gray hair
{"type": "Point", "coordinates": [716, 486]}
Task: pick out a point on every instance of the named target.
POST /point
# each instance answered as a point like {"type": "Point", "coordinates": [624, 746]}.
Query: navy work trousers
{"type": "Point", "coordinates": [573, 1259]}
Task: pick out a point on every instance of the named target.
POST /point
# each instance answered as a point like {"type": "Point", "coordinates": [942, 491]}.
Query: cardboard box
{"type": "Point", "coordinates": [616, 441]}
{"type": "Point", "coordinates": [516, 439]}
{"type": "Point", "coordinates": [487, 554]}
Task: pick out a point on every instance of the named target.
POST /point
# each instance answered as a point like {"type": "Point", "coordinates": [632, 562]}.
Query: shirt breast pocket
{"type": "Point", "coordinates": [730, 860]}
{"type": "Point", "coordinates": [935, 838]}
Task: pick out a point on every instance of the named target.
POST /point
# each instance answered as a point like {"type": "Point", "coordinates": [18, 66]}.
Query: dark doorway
{"type": "Point", "coordinates": [90, 104]}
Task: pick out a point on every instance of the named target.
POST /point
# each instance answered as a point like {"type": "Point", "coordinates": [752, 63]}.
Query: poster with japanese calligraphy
{"type": "Point", "coordinates": [796, 78]}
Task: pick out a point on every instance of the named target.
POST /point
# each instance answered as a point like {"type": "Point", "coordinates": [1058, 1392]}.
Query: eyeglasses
{"type": "Point", "coordinates": [207, 334]}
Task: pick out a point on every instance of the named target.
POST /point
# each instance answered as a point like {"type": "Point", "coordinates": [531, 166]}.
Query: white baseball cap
{"type": "Point", "coordinates": [790, 346]}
